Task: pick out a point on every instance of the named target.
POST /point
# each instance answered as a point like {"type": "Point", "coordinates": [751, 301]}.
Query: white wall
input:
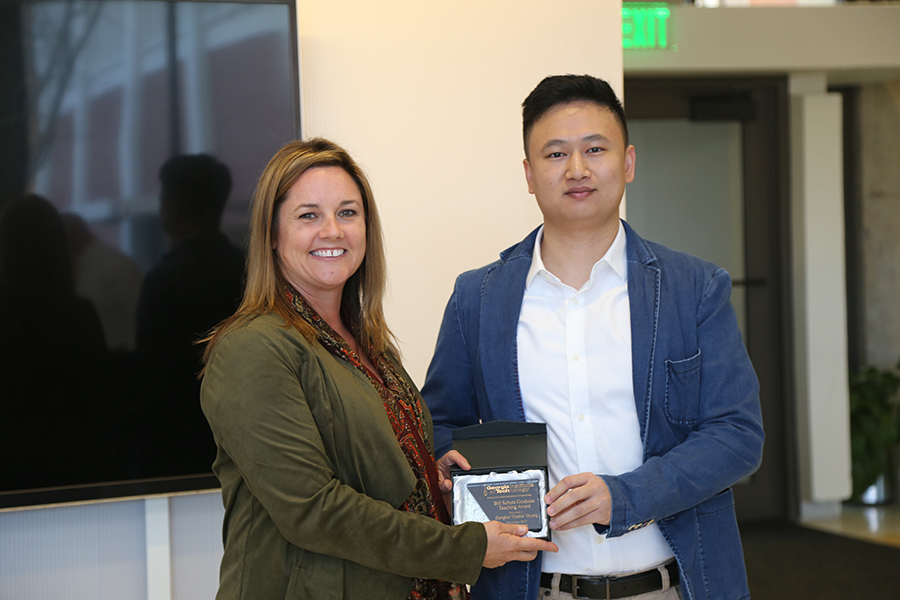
{"type": "Point", "coordinates": [133, 549]}
{"type": "Point", "coordinates": [427, 97]}
{"type": "Point", "coordinates": [93, 552]}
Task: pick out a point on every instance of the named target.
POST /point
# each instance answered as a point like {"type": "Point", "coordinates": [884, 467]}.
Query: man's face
{"type": "Point", "coordinates": [578, 165]}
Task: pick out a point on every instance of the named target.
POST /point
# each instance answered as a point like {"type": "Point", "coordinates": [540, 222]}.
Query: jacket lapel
{"type": "Point", "coordinates": [501, 303]}
{"type": "Point", "coordinates": [643, 300]}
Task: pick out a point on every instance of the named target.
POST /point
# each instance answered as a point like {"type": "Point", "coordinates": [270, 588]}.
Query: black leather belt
{"type": "Point", "coordinates": [583, 586]}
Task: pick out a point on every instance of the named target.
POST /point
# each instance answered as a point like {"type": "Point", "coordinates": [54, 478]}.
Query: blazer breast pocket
{"type": "Point", "coordinates": [683, 390]}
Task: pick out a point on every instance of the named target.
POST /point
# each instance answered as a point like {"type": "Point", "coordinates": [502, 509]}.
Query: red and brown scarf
{"type": "Point", "coordinates": [404, 410]}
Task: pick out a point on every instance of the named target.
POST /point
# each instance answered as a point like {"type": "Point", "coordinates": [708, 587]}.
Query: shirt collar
{"type": "Point", "coordinates": [615, 257]}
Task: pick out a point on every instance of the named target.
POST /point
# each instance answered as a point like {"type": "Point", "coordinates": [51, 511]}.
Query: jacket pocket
{"type": "Point", "coordinates": [683, 390]}
{"type": "Point", "coordinates": [316, 576]}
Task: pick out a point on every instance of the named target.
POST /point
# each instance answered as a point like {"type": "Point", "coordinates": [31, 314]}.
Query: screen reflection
{"type": "Point", "coordinates": [146, 125]}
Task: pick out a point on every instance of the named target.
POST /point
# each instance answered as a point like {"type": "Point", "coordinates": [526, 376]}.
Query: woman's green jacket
{"type": "Point", "coordinates": [312, 476]}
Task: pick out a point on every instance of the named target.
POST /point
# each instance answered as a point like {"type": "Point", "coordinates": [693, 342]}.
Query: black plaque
{"type": "Point", "coordinates": [514, 502]}
{"type": "Point", "coordinates": [513, 497]}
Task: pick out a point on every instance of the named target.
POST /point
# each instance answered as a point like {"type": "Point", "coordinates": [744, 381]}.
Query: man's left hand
{"type": "Point", "coordinates": [443, 467]}
{"type": "Point", "coordinates": [578, 500]}
{"type": "Point", "coordinates": [444, 480]}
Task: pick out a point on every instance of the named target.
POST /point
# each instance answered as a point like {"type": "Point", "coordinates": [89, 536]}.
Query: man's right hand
{"type": "Point", "coordinates": [508, 542]}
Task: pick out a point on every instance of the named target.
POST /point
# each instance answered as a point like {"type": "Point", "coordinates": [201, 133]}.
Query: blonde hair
{"type": "Point", "coordinates": [363, 293]}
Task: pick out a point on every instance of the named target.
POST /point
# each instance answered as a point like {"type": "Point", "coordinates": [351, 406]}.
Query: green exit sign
{"type": "Point", "coordinates": [645, 25]}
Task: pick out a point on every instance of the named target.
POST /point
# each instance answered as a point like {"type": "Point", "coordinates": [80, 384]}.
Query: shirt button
{"type": "Point", "coordinates": [589, 571]}
{"type": "Point", "coordinates": [581, 417]}
{"type": "Point", "coordinates": [599, 540]}
{"type": "Point", "coordinates": [575, 301]}
{"type": "Point", "coordinates": [575, 357]}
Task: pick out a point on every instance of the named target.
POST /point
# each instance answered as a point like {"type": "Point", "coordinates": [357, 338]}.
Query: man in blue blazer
{"type": "Point", "coordinates": [629, 351]}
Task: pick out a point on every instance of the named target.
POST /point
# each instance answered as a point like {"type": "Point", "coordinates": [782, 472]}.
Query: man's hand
{"type": "Point", "coordinates": [507, 542]}
{"type": "Point", "coordinates": [443, 466]}
{"type": "Point", "coordinates": [578, 500]}
{"type": "Point", "coordinates": [445, 482]}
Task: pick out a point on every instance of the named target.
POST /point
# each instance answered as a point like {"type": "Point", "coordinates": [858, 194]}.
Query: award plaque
{"type": "Point", "coordinates": [508, 479]}
{"type": "Point", "coordinates": [514, 497]}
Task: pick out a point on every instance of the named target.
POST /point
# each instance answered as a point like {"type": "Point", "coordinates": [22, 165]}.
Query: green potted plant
{"type": "Point", "coordinates": [874, 426]}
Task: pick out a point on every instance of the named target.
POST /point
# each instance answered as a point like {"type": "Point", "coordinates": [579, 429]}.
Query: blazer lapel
{"type": "Point", "coordinates": [643, 299]}
{"type": "Point", "coordinates": [501, 303]}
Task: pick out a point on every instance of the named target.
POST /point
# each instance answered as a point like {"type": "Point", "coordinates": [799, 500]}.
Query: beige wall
{"type": "Point", "coordinates": [426, 96]}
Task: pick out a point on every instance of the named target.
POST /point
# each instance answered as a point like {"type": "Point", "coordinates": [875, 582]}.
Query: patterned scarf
{"type": "Point", "coordinates": [405, 413]}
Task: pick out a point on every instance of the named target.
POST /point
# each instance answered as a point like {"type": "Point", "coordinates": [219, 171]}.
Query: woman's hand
{"type": "Point", "coordinates": [508, 542]}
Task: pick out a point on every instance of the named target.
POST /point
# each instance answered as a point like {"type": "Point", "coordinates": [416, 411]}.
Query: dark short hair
{"type": "Point", "coordinates": [563, 89]}
{"type": "Point", "coordinates": [199, 184]}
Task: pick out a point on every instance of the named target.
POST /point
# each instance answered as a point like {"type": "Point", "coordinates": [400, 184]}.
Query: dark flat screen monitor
{"type": "Point", "coordinates": [106, 281]}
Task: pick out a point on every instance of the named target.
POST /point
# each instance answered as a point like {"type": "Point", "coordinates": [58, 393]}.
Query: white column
{"type": "Point", "coordinates": [819, 288]}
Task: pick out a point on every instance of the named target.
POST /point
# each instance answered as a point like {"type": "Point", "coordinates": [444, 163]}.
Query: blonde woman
{"type": "Point", "coordinates": [324, 444]}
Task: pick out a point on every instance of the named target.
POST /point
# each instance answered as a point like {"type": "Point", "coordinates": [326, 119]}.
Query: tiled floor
{"type": "Point", "coordinates": [879, 524]}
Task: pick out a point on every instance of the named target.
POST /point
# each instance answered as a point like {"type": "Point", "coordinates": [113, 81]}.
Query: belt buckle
{"type": "Point", "coordinates": [575, 579]}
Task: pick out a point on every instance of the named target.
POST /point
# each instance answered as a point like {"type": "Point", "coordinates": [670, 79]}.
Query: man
{"type": "Point", "coordinates": [629, 351]}
{"type": "Point", "coordinates": [196, 285]}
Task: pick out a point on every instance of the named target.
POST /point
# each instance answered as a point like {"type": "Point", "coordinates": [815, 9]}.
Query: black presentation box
{"type": "Point", "coordinates": [508, 479]}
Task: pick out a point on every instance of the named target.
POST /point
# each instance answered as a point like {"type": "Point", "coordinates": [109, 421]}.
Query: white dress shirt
{"type": "Point", "coordinates": [574, 360]}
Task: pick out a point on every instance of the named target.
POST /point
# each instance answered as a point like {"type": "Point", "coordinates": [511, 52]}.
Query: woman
{"type": "Point", "coordinates": [324, 444]}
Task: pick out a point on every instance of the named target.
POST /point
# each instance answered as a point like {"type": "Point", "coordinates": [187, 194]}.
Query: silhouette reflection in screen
{"type": "Point", "coordinates": [53, 358]}
{"type": "Point", "coordinates": [197, 284]}
{"type": "Point", "coordinates": [96, 97]}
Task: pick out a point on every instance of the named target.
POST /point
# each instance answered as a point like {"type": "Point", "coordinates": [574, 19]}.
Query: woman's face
{"type": "Point", "coordinates": [321, 236]}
